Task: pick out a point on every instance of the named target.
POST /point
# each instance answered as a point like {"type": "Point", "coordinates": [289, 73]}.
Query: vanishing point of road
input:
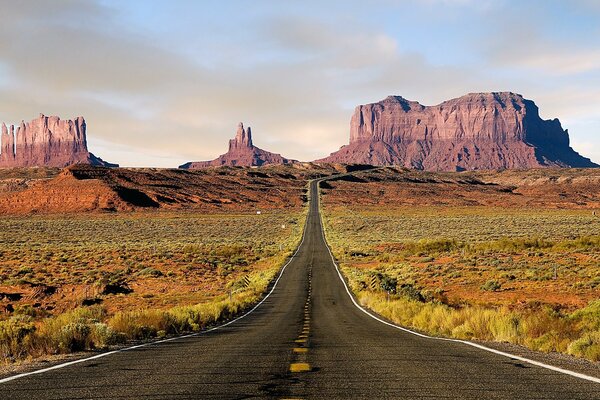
{"type": "Point", "coordinates": [307, 340]}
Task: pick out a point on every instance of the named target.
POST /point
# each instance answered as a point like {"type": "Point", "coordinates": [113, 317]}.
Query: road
{"type": "Point", "coordinates": [308, 325]}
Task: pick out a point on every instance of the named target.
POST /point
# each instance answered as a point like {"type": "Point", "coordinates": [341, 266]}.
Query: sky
{"type": "Point", "coordinates": [161, 83]}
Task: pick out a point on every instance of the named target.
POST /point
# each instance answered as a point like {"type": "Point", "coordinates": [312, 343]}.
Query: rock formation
{"type": "Point", "coordinates": [242, 152]}
{"type": "Point", "coordinates": [476, 131]}
{"type": "Point", "coordinates": [7, 149]}
{"type": "Point", "coordinates": [47, 141]}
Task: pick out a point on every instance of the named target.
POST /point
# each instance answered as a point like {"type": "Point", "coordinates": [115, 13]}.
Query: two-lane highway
{"type": "Point", "coordinates": [306, 340]}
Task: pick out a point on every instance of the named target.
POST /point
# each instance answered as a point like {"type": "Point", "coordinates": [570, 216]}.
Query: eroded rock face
{"type": "Point", "coordinates": [7, 149]}
{"type": "Point", "coordinates": [242, 152]}
{"type": "Point", "coordinates": [47, 141]}
{"type": "Point", "coordinates": [476, 131]}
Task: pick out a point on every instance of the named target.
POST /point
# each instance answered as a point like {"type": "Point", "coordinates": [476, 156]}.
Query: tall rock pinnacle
{"type": "Point", "coordinates": [243, 138]}
{"type": "Point", "coordinates": [242, 152]}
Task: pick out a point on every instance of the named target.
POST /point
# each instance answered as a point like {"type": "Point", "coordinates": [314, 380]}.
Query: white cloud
{"type": "Point", "coordinates": [294, 78]}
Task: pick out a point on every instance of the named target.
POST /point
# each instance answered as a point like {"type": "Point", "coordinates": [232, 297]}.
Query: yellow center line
{"type": "Point", "coordinates": [299, 367]}
{"type": "Point", "coordinates": [300, 350]}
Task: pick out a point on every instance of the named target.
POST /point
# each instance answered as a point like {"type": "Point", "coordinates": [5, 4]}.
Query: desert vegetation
{"type": "Point", "coordinates": [77, 282]}
{"type": "Point", "coordinates": [528, 276]}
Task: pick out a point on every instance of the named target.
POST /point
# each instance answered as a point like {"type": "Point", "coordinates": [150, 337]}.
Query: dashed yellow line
{"type": "Point", "coordinates": [300, 350]}
{"type": "Point", "coordinates": [299, 367]}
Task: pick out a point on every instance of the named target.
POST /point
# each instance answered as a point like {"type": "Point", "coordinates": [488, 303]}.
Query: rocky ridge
{"type": "Point", "coordinates": [242, 152]}
{"type": "Point", "coordinates": [47, 141]}
{"type": "Point", "coordinates": [479, 131]}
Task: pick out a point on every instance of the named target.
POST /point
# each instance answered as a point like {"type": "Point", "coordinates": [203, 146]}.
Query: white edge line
{"type": "Point", "coordinates": [479, 346]}
{"type": "Point", "coordinates": [108, 353]}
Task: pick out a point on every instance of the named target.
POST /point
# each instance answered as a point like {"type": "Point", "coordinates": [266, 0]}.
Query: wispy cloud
{"type": "Point", "coordinates": [156, 84]}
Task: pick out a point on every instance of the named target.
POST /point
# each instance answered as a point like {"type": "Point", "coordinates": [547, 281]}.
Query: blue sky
{"type": "Point", "coordinates": [164, 82]}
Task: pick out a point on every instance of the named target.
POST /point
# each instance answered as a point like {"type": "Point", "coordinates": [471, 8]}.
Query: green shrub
{"type": "Point", "coordinates": [149, 271]}
{"type": "Point", "coordinates": [388, 284]}
{"type": "Point", "coordinates": [588, 346]}
{"type": "Point", "coordinates": [491, 286]}
{"type": "Point", "coordinates": [409, 291]}
{"type": "Point", "coordinates": [588, 317]}
{"type": "Point", "coordinates": [15, 337]}
{"type": "Point", "coordinates": [71, 331]}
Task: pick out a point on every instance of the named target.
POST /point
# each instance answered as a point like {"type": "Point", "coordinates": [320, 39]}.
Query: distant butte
{"type": "Point", "coordinates": [47, 142]}
{"type": "Point", "coordinates": [479, 131]}
{"type": "Point", "coordinates": [242, 152]}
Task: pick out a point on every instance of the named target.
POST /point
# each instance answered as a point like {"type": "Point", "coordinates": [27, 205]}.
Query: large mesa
{"type": "Point", "coordinates": [479, 131]}
{"type": "Point", "coordinates": [47, 142]}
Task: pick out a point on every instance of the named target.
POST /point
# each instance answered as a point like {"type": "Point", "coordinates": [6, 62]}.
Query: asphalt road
{"type": "Point", "coordinates": [310, 326]}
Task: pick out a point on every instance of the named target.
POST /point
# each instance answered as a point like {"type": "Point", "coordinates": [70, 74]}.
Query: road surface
{"type": "Point", "coordinates": [307, 340]}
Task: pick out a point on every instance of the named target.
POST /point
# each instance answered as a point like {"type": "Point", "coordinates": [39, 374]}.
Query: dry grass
{"type": "Point", "coordinates": [79, 283]}
{"type": "Point", "coordinates": [525, 276]}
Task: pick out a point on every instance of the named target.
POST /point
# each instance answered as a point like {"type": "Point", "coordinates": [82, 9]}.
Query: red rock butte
{"type": "Point", "coordinates": [47, 141]}
{"type": "Point", "coordinates": [479, 131]}
{"type": "Point", "coordinates": [242, 152]}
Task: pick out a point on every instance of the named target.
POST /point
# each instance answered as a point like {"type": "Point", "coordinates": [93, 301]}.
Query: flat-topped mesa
{"type": "Point", "coordinates": [242, 152]}
{"type": "Point", "coordinates": [476, 131]}
{"type": "Point", "coordinates": [47, 141]}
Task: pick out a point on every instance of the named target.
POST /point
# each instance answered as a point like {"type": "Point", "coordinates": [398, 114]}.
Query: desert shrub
{"type": "Point", "coordinates": [491, 286]}
{"type": "Point", "coordinates": [229, 251]}
{"type": "Point", "coordinates": [439, 245]}
{"type": "Point", "coordinates": [580, 243]}
{"type": "Point", "coordinates": [103, 336]}
{"type": "Point", "coordinates": [75, 336]}
{"type": "Point", "coordinates": [588, 346]}
{"type": "Point", "coordinates": [71, 331]}
{"type": "Point", "coordinates": [387, 283]}
{"type": "Point", "coordinates": [25, 270]}
{"type": "Point", "coordinates": [409, 291]}
{"type": "Point", "coordinates": [26, 309]}
{"type": "Point", "coordinates": [149, 271]}
{"type": "Point", "coordinates": [588, 317]}
{"type": "Point", "coordinates": [143, 324]}
{"type": "Point", "coordinates": [15, 336]}
{"type": "Point", "coordinates": [192, 249]}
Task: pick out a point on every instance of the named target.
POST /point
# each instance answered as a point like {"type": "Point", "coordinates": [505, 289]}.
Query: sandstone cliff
{"type": "Point", "coordinates": [47, 141]}
{"type": "Point", "coordinates": [476, 131]}
{"type": "Point", "coordinates": [242, 152]}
